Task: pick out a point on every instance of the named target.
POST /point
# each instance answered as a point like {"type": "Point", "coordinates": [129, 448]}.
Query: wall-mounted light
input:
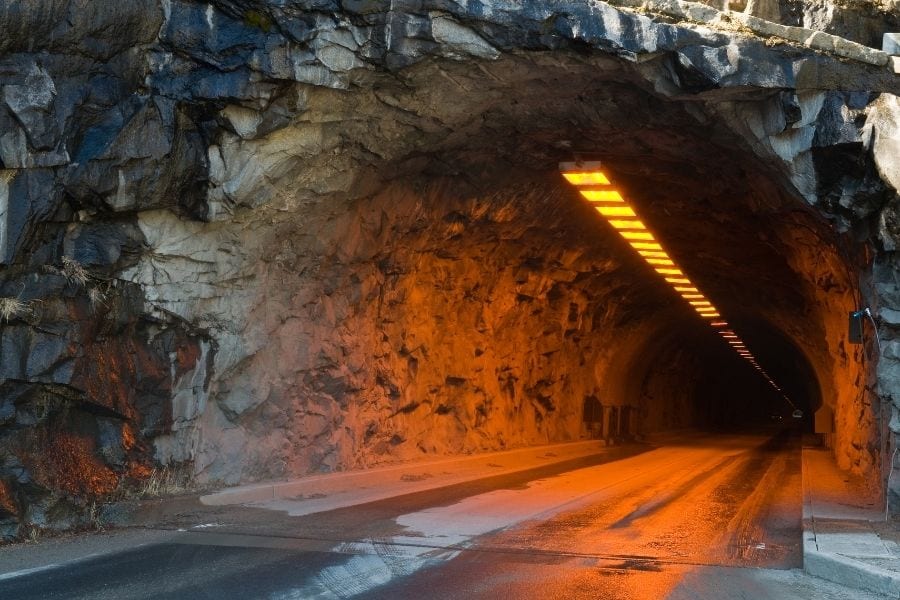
{"type": "Point", "coordinates": [596, 187]}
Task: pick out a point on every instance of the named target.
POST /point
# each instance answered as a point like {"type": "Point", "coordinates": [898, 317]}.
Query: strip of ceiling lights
{"type": "Point", "coordinates": [595, 186]}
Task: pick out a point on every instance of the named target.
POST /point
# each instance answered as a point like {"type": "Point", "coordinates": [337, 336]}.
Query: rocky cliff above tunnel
{"type": "Point", "coordinates": [254, 240]}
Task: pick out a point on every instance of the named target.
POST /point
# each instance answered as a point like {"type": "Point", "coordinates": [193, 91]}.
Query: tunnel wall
{"type": "Point", "coordinates": [433, 322]}
{"type": "Point", "coordinates": [195, 276]}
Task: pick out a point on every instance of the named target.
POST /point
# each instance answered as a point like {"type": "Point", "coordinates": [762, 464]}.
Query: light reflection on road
{"type": "Point", "coordinates": [631, 529]}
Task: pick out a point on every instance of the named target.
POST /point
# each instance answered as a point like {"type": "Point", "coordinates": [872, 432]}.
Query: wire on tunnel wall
{"type": "Point", "coordinates": [595, 186]}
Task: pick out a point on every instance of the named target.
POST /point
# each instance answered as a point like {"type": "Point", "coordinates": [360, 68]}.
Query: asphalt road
{"type": "Point", "coordinates": [702, 518]}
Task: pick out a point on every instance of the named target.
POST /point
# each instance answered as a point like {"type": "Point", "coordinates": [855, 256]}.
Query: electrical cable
{"type": "Point", "coordinates": [887, 492]}
{"type": "Point", "coordinates": [868, 313]}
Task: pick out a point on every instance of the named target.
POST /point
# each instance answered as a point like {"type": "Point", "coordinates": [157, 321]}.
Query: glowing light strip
{"type": "Point", "coordinates": [595, 186]}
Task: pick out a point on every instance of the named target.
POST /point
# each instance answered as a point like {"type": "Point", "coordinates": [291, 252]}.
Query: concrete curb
{"type": "Point", "coordinates": [411, 477]}
{"type": "Point", "coordinates": [847, 571]}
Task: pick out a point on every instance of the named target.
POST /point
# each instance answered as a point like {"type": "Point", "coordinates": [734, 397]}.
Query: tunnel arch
{"type": "Point", "coordinates": [444, 191]}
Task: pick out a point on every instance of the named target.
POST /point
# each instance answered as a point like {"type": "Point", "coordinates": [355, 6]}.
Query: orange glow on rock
{"type": "Point", "coordinates": [8, 504]}
{"type": "Point", "coordinates": [70, 463]}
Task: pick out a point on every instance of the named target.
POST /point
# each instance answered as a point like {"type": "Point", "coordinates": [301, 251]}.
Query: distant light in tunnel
{"type": "Point", "coordinates": [611, 205]}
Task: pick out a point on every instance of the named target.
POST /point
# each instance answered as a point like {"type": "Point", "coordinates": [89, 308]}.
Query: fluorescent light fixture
{"type": "Point", "coordinates": [664, 262]}
{"type": "Point", "coordinates": [632, 224]}
{"type": "Point", "coordinates": [639, 245]}
{"type": "Point", "coordinates": [688, 289]}
{"type": "Point", "coordinates": [586, 178]}
{"type": "Point", "coordinates": [699, 303]}
{"type": "Point", "coordinates": [653, 254]}
{"type": "Point", "coordinates": [637, 235]}
{"type": "Point", "coordinates": [669, 271]}
{"type": "Point", "coordinates": [616, 211]}
{"type": "Point", "coordinates": [678, 280]}
{"type": "Point", "coordinates": [602, 196]}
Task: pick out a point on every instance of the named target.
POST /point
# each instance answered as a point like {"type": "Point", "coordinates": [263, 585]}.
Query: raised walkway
{"type": "Point", "coordinates": [329, 491]}
{"type": "Point", "coordinates": [845, 536]}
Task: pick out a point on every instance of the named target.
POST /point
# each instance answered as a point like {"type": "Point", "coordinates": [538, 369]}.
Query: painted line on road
{"type": "Point", "coordinates": [67, 563]}
{"type": "Point", "coordinates": [24, 572]}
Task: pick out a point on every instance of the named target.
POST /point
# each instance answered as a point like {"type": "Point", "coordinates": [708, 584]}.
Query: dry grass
{"type": "Point", "coordinates": [167, 481]}
{"type": "Point", "coordinates": [75, 271]}
{"type": "Point", "coordinates": [97, 298]}
{"type": "Point", "coordinates": [95, 520]}
{"type": "Point", "coordinates": [11, 308]}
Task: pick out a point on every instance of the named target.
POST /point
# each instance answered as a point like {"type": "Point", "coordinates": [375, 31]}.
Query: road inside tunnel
{"type": "Point", "coordinates": [700, 516]}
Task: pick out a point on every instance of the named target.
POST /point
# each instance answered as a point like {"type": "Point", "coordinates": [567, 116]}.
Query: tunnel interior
{"type": "Point", "coordinates": [456, 296]}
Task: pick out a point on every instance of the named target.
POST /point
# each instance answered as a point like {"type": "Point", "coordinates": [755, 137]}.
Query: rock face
{"type": "Point", "coordinates": [263, 239]}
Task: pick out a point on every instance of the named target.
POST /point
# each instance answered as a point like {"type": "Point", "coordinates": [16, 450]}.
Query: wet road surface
{"type": "Point", "coordinates": [702, 517]}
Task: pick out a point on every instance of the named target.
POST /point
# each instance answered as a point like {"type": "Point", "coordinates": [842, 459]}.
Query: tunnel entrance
{"type": "Point", "coordinates": [457, 296]}
{"type": "Point", "coordinates": [305, 240]}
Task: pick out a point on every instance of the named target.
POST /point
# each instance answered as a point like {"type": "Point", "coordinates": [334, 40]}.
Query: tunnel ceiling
{"type": "Point", "coordinates": [257, 240]}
